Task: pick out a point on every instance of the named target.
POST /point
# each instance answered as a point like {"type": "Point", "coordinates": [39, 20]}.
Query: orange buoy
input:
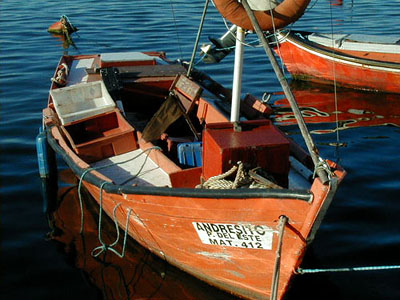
{"type": "Point", "coordinates": [56, 28]}
{"type": "Point", "coordinates": [63, 26]}
{"type": "Point", "coordinates": [285, 13]}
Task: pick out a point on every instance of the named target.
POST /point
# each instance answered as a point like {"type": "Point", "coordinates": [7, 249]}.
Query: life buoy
{"type": "Point", "coordinates": [287, 12]}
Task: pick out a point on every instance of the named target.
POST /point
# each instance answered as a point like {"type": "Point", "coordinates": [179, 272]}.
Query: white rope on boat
{"type": "Point", "coordinates": [219, 181]}
{"type": "Point", "coordinates": [147, 151]}
{"type": "Point", "coordinates": [242, 179]}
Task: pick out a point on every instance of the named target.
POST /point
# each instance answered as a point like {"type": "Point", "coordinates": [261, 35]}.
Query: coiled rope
{"type": "Point", "coordinates": [242, 179]}
{"type": "Point", "coordinates": [220, 181]}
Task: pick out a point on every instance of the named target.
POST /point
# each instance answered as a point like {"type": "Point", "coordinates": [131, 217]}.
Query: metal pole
{"type": "Point", "coordinates": [237, 75]}
{"type": "Point", "coordinates": [189, 71]}
{"type": "Point", "coordinates": [289, 95]}
{"type": "Point", "coordinates": [275, 277]}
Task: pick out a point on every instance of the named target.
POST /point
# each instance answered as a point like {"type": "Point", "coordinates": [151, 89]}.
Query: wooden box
{"type": "Point", "coordinates": [101, 136]}
{"type": "Point", "coordinates": [258, 144]}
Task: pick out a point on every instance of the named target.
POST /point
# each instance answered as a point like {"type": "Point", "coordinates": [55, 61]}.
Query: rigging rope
{"type": "Point", "coordinates": [335, 87]}
{"type": "Point", "coordinates": [275, 35]}
{"type": "Point", "coordinates": [189, 71]}
{"type": "Point", "coordinates": [176, 28]}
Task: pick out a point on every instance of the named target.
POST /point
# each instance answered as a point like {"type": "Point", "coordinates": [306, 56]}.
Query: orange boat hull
{"type": "Point", "coordinates": [166, 226]}
{"type": "Point", "coordinates": [236, 258]}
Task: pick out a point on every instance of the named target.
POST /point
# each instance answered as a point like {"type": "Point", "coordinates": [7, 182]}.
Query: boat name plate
{"type": "Point", "coordinates": [235, 235]}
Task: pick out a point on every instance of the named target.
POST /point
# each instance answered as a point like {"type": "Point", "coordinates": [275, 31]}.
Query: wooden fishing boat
{"type": "Point", "coordinates": [160, 190]}
{"type": "Point", "coordinates": [360, 61]}
{"type": "Point", "coordinates": [232, 201]}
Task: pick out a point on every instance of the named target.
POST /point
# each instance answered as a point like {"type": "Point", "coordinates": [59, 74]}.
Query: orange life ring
{"type": "Point", "coordinates": [287, 12]}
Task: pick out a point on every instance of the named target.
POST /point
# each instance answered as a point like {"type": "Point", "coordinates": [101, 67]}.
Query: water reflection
{"type": "Point", "coordinates": [138, 275]}
{"type": "Point", "coordinates": [336, 2]}
{"type": "Point", "coordinates": [62, 30]}
{"type": "Point", "coordinates": [65, 42]}
{"type": "Point", "coordinates": [351, 109]}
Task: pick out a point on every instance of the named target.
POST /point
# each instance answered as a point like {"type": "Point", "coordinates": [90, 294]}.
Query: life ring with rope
{"type": "Point", "coordinates": [283, 14]}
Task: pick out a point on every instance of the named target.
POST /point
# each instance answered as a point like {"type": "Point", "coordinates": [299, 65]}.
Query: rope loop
{"type": "Point", "coordinates": [323, 165]}
{"type": "Point", "coordinates": [104, 247]}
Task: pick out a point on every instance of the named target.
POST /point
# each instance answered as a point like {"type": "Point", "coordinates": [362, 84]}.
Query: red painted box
{"type": "Point", "coordinates": [258, 144]}
{"type": "Point", "coordinates": [101, 136]}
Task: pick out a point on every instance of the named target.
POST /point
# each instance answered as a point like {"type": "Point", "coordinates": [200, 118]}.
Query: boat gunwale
{"type": "Point", "coordinates": [110, 187]}
{"type": "Point", "coordinates": [338, 55]}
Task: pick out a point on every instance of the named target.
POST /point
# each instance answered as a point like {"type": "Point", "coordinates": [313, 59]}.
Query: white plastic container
{"type": "Point", "coordinates": [81, 101]}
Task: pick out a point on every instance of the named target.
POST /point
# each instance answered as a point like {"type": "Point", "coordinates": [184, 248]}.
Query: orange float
{"type": "Point", "coordinates": [62, 27]}
{"type": "Point", "coordinates": [285, 13]}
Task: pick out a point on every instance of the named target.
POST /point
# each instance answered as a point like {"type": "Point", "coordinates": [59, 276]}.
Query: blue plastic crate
{"type": "Point", "coordinates": [189, 154]}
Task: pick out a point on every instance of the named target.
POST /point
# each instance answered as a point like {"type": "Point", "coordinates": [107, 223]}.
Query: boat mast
{"type": "Point", "coordinates": [237, 75]}
{"type": "Point", "coordinates": [289, 95]}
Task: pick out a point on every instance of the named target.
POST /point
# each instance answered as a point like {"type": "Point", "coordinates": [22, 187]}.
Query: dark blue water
{"type": "Point", "coordinates": [360, 229]}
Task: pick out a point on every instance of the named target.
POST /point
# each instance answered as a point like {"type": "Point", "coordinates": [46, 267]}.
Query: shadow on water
{"type": "Point", "coordinates": [138, 275]}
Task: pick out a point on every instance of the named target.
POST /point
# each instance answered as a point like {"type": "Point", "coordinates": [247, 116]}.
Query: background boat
{"type": "Point", "coordinates": [367, 62]}
{"type": "Point", "coordinates": [361, 227]}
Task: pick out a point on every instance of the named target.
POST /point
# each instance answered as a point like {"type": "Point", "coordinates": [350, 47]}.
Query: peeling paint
{"type": "Point", "coordinates": [137, 220]}
{"type": "Point", "coordinates": [237, 274]}
{"type": "Point", "coordinates": [223, 256]}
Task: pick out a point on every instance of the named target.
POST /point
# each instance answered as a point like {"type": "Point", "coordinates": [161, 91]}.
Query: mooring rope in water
{"type": "Point", "coordinates": [348, 269]}
{"type": "Point", "coordinates": [104, 247]}
{"type": "Point", "coordinates": [147, 151]}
